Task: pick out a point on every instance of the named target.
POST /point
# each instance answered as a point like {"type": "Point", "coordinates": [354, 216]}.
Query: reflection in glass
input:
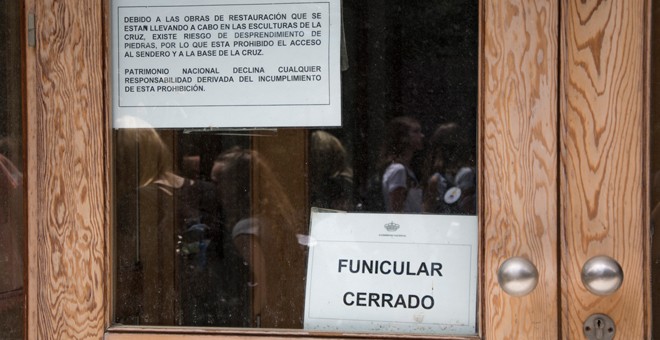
{"type": "Point", "coordinates": [11, 175]}
{"type": "Point", "coordinates": [212, 226]}
{"type": "Point", "coordinates": [402, 191]}
{"type": "Point", "coordinates": [167, 228]}
{"type": "Point", "coordinates": [451, 177]}
{"type": "Point", "coordinates": [331, 177]}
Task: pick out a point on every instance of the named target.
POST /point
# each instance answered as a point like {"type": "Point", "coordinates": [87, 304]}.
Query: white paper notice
{"type": "Point", "coordinates": [217, 63]}
{"type": "Point", "coordinates": [392, 273]}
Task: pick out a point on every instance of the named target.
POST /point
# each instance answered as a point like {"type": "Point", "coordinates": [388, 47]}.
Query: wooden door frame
{"type": "Point", "coordinates": [521, 156]}
{"type": "Point", "coordinates": [67, 177]}
{"type": "Point", "coordinates": [604, 160]}
{"type": "Point", "coordinates": [519, 168]}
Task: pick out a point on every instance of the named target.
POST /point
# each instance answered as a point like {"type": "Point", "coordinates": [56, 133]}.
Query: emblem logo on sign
{"type": "Point", "coordinates": [392, 226]}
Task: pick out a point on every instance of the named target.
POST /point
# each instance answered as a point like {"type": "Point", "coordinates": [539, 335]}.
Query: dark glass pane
{"type": "Point", "coordinates": [655, 166]}
{"type": "Point", "coordinates": [211, 225]}
{"type": "Point", "coordinates": [11, 178]}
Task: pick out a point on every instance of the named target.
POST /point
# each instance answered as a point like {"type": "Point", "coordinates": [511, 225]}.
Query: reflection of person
{"type": "Point", "coordinates": [451, 184]}
{"type": "Point", "coordinates": [11, 229]}
{"type": "Point", "coordinates": [401, 189]}
{"type": "Point", "coordinates": [165, 240]}
{"type": "Point", "coordinates": [260, 220]}
{"type": "Point", "coordinates": [331, 179]}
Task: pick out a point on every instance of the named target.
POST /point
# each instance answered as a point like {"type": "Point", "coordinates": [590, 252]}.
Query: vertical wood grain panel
{"type": "Point", "coordinates": [519, 92]}
{"type": "Point", "coordinates": [66, 171]}
{"type": "Point", "coordinates": [602, 159]}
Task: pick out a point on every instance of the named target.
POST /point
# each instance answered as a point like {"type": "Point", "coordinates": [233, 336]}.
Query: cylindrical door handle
{"type": "Point", "coordinates": [518, 276]}
{"type": "Point", "coordinates": [602, 275]}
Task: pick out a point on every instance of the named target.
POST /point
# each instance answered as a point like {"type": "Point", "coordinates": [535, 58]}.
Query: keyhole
{"type": "Point", "coordinates": [599, 326]}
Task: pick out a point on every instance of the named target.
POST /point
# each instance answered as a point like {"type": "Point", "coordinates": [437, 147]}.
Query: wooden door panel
{"type": "Point", "coordinates": [68, 196]}
{"type": "Point", "coordinates": [519, 92]}
{"type": "Point", "coordinates": [599, 181]}
{"type": "Point", "coordinates": [603, 121]}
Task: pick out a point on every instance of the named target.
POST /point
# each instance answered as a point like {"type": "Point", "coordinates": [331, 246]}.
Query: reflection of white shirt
{"type": "Point", "coordinates": [465, 180]}
{"type": "Point", "coordinates": [246, 226]}
{"type": "Point", "coordinates": [398, 176]}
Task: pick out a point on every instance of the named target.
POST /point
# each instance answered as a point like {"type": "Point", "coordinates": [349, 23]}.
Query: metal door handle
{"type": "Point", "coordinates": [518, 276]}
{"type": "Point", "coordinates": [602, 275]}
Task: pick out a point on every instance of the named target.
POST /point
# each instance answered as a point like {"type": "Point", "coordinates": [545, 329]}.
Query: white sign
{"type": "Point", "coordinates": [392, 273]}
{"type": "Point", "coordinates": [226, 63]}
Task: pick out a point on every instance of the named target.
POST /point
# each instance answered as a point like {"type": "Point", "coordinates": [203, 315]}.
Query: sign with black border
{"type": "Point", "coordinates": [398, 273]}
{"type": "Point", "coordinates": [226, 64]}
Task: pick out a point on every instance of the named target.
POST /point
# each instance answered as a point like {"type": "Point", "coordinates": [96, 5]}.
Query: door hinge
{"type": "Point", "coordinates": [31, 32]}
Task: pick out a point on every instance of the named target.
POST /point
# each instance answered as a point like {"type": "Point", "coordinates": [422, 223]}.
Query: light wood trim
{"type": "Point", "coordinates": [161, 336]}
{"type": "Point", "coordinates": [157, 333]}
{"type": "Point", "coordinates": [603, 159]}
{"type": "Point", "coordinates": [67, 173]}
{"type": "Point", "coordinates": [30, 102]}
{"type": "Point", "coordinates": [108, 157]}
{"type": "Point", "coordinates": [109, 307]}
{"type": "Point", "coordinates": [519, 93]}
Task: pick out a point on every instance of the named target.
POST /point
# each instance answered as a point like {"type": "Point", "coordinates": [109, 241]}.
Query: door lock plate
{"type": "Point", "coordinates": [599, 327]}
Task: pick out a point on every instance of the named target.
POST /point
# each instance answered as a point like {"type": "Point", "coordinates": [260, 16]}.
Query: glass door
{"type": "Point", "coordinates": [560, 114]}
{"type": "Point", "coordinates": [215, 224]}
